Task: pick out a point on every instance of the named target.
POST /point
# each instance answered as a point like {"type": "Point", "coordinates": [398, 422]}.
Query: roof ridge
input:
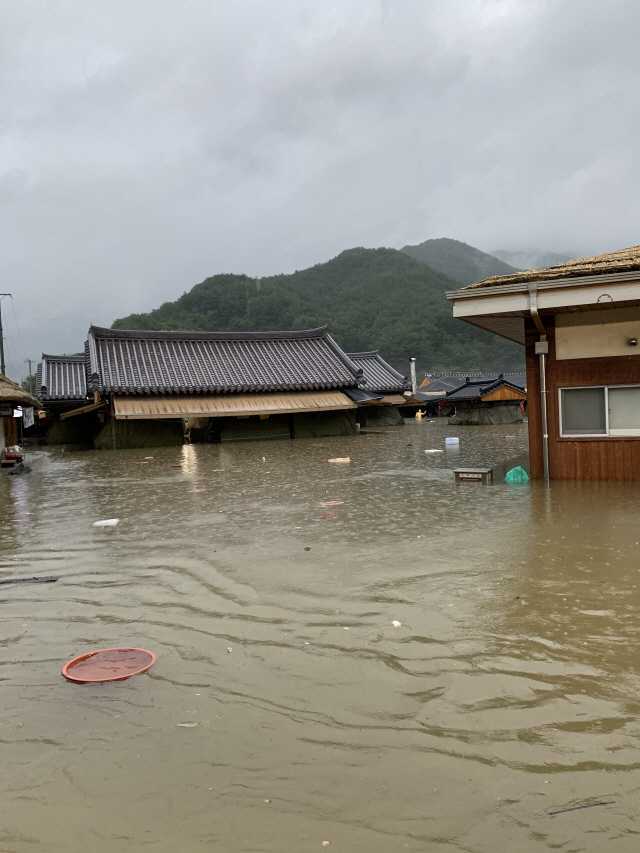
{"type": "Point", "coordinates": [63, 357]}
{"type": "Point", "coordinates": [151, 334]}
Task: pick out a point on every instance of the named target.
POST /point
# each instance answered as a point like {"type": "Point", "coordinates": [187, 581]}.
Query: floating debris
{"type": "Point", "coordinates": [340, 459]}
{"type": "Point", "coordinates": [188, 725]}
{"type": "Point", "coordinates": [585, 806]}
{"type": "Point", "coordinates": [396, 624]}
{"type": "Point", "coordinates": [108, 522]}
{"type": "Point", "coordinates": [48, 579]}
{"type": "Point", "coordinates": [331, 503]}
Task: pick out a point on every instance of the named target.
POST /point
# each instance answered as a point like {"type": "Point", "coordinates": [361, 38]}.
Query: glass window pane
{"type": "Point", "coordinates": [583, 411]}
{"type": "Point", "coordinates": [624, 408]}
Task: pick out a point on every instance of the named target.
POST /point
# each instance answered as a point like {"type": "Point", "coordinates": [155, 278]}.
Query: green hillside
{"type": "Point", "coordinates": [458, 260]}
{"type": "Point", "coordinates": [369, 298]}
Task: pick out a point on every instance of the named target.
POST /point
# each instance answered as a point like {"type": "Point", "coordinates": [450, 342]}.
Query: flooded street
{"type": "Point", "coordinates": [510, 691]}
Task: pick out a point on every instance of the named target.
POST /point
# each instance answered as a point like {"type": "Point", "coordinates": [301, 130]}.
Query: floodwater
{"type": "Point", "coordinates": [510, 691]}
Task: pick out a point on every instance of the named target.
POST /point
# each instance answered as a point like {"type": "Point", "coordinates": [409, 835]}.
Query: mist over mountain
{"type": "Point", "coordinates": [369, 298]}
{"type": "Point", "coordinates": [532, 259]}
{"type": "Point", "coordinates": [458, 260]}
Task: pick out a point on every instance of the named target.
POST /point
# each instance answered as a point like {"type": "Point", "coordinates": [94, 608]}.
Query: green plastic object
{"type": "Point", "coordinates": [517, 475]}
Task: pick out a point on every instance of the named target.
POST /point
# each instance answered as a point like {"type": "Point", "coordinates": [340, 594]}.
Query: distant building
{"type": "Point", "coordinates": [435, 388]}
{"type": "Point", "coordinates": [483, 402]}
{"type": "Point", "coordinates": [382, 391]}
{"type": "Point", "coordinates": [580, 325]}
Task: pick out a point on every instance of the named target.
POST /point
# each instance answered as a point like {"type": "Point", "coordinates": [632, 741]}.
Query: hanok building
{"type": "Point", "coordinates": [383, 390]}
{"type": "Point", "coordinates": [444, 393]}
{"type": "Point", "coordinates": [61, 387]}
{"type": "Point", "coordinates": [480, 402]}
{"type": "Point", "coordinates": [580, 325]}
{"type": "Point", "coordinates": [227, 385]}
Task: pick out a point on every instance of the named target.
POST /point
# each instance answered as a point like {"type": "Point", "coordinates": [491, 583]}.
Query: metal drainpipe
{"type": "Point", "coordinates": [542, 349]}
{"type": "Point", "coordinates": [414, 381]}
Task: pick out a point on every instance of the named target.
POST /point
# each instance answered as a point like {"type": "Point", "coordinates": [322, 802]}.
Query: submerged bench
{"type": "Point", "coordinates": [484, 476]}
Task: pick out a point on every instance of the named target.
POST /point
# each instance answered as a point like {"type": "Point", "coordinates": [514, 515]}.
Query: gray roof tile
{"type": "Point", "coordinates": [61, 377]}
{"type": "Point", "coordinates": [475, 390]}
{"type": "Point", "coordinates": [213, 362]}
{"type": "Point", "coordinates": [378, 375]}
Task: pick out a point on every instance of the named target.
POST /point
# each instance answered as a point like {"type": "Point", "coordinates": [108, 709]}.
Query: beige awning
{"type": "Point", "coordinates": [223, 405]}
{"type": "Point", "coordinates": [394, 400]}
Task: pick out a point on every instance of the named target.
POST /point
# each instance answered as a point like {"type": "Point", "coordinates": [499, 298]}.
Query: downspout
{"type": "Point", "coordinates": [542, 350]}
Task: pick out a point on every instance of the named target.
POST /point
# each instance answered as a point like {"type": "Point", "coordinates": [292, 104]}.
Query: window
{"type": "Point", "coordinates": [601, 410]}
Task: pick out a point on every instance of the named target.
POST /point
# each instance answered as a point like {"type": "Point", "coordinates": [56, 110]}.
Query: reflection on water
{"type": "Point", "coordinates": [509, 691]}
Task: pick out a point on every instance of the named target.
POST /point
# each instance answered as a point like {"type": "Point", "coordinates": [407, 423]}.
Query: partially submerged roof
{"type": "Point", "coordinates": [441, 383]}
{"type": "Point", "coordinates": [473, 389]}
{"type": "Point", "coordinates": [11, 392]}
{"type": "Point", "coordinates": [624, 260]}
{"type": "Point", "coordinates": [138, 362]}
{"type": "Point", "coordinates": [61, 377]}
{"type": "Point", "coordinates": [378, 374]}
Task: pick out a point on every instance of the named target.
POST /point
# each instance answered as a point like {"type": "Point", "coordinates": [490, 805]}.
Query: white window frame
{"type": "Point", "coordinates": [609, 433]}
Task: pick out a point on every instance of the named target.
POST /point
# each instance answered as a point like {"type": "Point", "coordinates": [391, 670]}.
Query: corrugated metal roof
{"type": "Point", "coordinates": [209, 406]}
{"type": "Point", "coordinates": [209, 362]}
{"type": "Point", "coordinates": [379, 376]}
{"type": "Point", "coordinates": [62, 377]}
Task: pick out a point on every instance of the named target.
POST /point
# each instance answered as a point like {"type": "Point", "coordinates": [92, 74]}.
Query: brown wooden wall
{"type": "Point", "coordinates": [578, 458]}
{"type": "Point", "coordinates": [10, 431]}
{"type": "Point", "coordinates": [505, 394]}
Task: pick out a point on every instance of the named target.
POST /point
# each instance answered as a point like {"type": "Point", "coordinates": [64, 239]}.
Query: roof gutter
{"type": "Point", "coordinates": [473, 292]}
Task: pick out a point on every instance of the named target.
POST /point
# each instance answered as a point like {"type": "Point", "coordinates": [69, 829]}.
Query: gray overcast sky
{"type": "Point", "coordinates": [146, 144]}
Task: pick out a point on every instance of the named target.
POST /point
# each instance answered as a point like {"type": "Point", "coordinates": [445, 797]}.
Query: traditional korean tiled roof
{"type": "Point", "coordinates": [138, 362]}
{"type": "Point", "coordinates": [476, 390]}
{"type": "Point", "coordinates": [378, 375]}
{"type": "Point", "coordinates": [61, 377]}
{"type": "Point", "coordinates": [444, 382]}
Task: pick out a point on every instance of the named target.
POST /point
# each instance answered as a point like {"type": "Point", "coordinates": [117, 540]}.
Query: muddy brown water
{"type": "Point", "coordinates": [511, 689]}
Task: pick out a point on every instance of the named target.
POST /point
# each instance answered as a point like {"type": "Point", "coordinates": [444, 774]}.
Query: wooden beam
{"type": "Point", "coordinates": [92, 407]}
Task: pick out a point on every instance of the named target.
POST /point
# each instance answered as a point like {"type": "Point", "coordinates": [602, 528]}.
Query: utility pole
{"type": "Point", "coordinates": [2, 367]}
{"type": "Point", "coordinates": [29, 361]}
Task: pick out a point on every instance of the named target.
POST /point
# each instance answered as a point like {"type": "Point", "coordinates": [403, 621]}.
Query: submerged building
{"type": "Point", "coordinates": [61, 384]}
{"type": "Point", "coordinates": [579, 323]}
{"type": "Point", "coordinates": [480, 402]}
{"type": "Point", "coordinates": [383, 390]}
{"type": "Point", "coordinates": [144, 387]}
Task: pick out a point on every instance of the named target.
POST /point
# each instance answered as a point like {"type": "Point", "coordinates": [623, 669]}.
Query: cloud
{"type": "Point", "coordinates": [147, 145]}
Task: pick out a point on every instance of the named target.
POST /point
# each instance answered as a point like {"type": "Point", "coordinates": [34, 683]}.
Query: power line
{"type": "Point", "coordinates": [15, 317]}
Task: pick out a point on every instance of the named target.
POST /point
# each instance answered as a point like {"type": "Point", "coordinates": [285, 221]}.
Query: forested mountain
{"type": "Point", "coordinates": [458, 260]}
{"type": "Point", "coordinates": [369, 298]}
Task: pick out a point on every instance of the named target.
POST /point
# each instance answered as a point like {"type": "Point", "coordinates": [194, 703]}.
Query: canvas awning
{"type": "Point", "coordinates": [227, 405]}
{"type": "Point", "coordinates": [395, 400]}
